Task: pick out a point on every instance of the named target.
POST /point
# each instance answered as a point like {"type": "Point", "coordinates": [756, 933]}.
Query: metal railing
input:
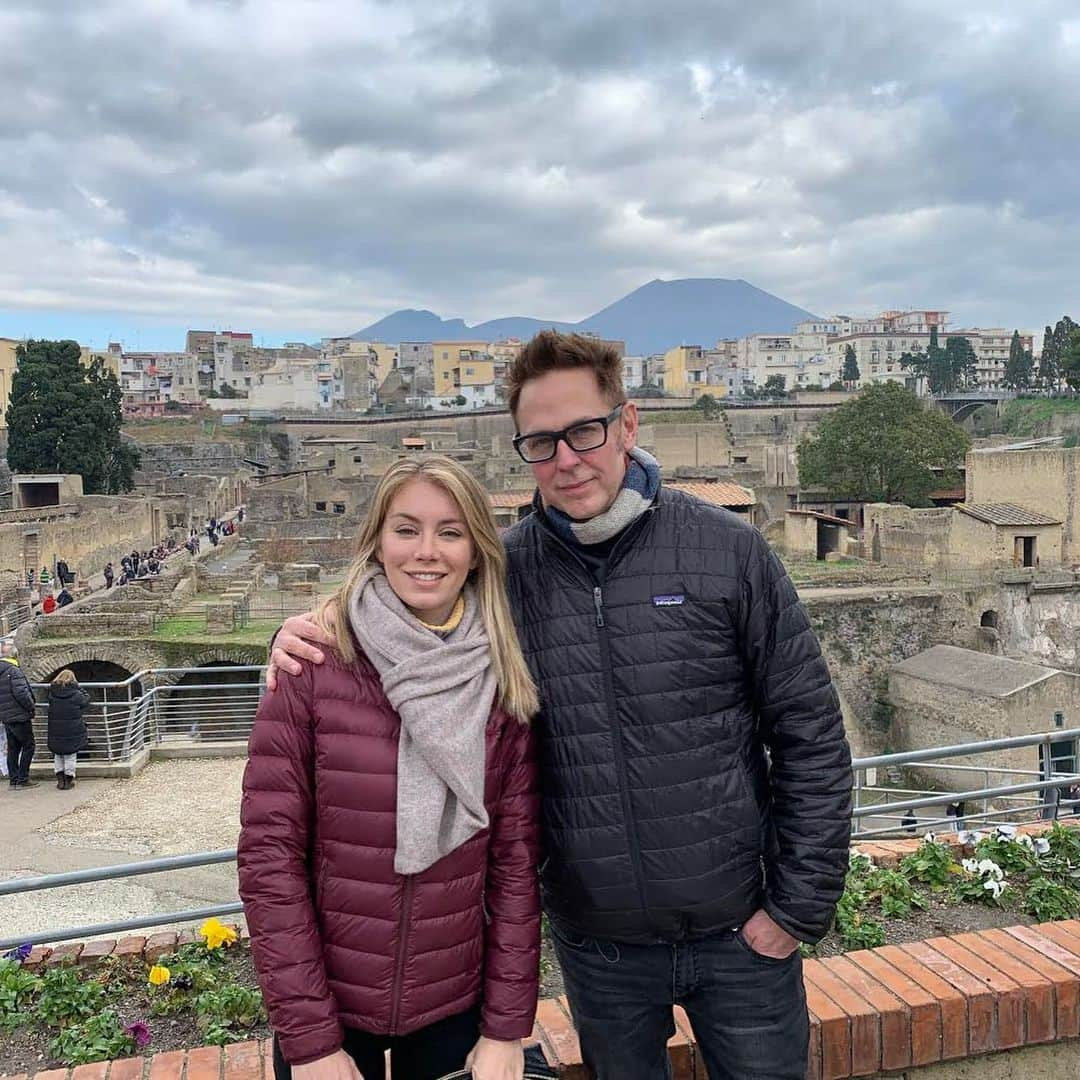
{"type": "Point", "coordinates": [160, 706]}
{"type": "Point", "coordinates": [880, 810]}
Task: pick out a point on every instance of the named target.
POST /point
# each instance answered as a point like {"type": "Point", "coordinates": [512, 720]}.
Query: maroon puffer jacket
{"type": "Point", "coordinates": [339, 938]}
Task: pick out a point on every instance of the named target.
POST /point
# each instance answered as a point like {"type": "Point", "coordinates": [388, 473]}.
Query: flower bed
{"type": "Point", "coordinates": [204, 991]}
{"type": "Point", "coordinates": [967, 881]}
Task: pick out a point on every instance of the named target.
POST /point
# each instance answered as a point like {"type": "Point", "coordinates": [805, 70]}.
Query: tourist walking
{"type": "Point", "coordinates": [389, 826]}
{"type": "Point", "coordinates": [45, 577]}
{"type": "Point", "coordinates": [109, 574]}
{"type": "Point", "coordinates": [697, 781]}
{"type": "Point", "coordinates": [17, 715]}
{"type": "Point", "coordinates": [67, 733]}
{"type": "Point", "coordinates": [63, 573]}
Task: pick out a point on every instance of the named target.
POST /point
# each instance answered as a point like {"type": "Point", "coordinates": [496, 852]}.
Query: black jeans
{"type": "Point", "coordinates": [20, 751]}
{"type": "Point", "coordinates": [427, 1054]}
{"type": "Point", "coordinates": [748, 1011]}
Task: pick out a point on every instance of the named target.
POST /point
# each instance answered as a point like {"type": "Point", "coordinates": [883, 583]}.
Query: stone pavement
{"type": "Point", "coordinates": [172, 807]}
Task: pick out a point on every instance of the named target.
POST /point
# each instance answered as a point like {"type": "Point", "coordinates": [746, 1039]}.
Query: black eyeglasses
{"type": "Point", "coordinates": [585, 435]}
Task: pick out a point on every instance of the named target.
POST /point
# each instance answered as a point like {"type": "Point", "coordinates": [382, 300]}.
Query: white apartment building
{"type": "Point", "coordinates": [633, 372]}
{"type": "Point", "coordinates": [992, 352]}
{"type": "Point", "coordinates": [296, 385]}
{"type": "Point", "coordinates": [801, 357]}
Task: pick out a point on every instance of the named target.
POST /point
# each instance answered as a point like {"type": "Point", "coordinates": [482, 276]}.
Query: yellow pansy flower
{"type": "Point", "coordinates": [159, 975]}
{"type": "Point", "coordinates": [216, 933]}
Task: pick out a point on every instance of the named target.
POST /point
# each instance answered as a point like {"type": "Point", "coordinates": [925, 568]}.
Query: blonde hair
{"type": "Point", "coordinates": [65, 678]}
{"type": "Point", "coordinates": [517, 691]}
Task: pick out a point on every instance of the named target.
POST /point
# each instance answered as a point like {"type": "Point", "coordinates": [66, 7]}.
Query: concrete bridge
{"type": "Point", "coordinates": [960, 404]}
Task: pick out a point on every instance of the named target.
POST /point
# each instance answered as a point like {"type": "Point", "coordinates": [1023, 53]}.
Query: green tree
{"type": "Point", "coordinates": [774, 387]}
{"type": "Point", "coordinates": [961, 365]}
{"type": "Point", "coordinates": [851, 373]}
{"type": "Point", "coordinates": [708, 405]}
{"type": "Point", "coordinates": [1020, 367]}
{"type": "Point", "coordinates": [64, 416]}
{"type": "Point", "coordinates": [1070, 361]}
{"type": "Point", "coordinates": [884, 446]}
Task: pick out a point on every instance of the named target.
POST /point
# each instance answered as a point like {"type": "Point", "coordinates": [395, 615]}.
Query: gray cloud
{"type": "Point", "coordinates": [277, 164]}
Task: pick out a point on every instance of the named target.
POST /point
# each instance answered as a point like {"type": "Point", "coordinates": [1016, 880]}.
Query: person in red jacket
{"type": "Point", "coordinates": [48, 605]}
{"type": "Point", "coordinates": [389, 825]}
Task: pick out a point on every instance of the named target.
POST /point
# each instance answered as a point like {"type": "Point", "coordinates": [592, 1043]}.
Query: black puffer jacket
{"type": "Point", "coordinates": [67, 728]}
{"type": "Point", "coordinates": [16, 697]}
{"type": "Point", "coordinates": [663, 687]}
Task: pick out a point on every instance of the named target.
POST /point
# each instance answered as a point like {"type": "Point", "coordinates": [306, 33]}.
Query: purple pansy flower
{"type": "Point", "coordinates": [19, 953]}
{"type": "Point", "coordinates": [139, 1033]}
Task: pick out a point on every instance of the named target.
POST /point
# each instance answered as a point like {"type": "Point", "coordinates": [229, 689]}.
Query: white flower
{"type": "Point", "coordinates": [929, 838]}
{"type": "Point", "coordinates": [972, 837]}
{"type": "Point", "coordinates": [1006, 832]}
{"type": "Point", "coordinates": [990, 869]}
{"type": "Point", "coordinates": [970, 865]}
{"type": "Point", "coordinates": [1042, 845]}
{"type": "Point", "coordinates": [994, 887]}
{"type": "Point", "coordinates": [1024, 841]}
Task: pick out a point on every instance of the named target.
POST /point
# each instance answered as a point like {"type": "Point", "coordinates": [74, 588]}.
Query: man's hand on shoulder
{"type": "Point", "coordinates": [294, 642]}
{"type": "Point", "coordinates": [764, 936]}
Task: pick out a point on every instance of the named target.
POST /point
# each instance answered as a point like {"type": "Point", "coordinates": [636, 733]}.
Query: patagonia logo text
{"type": "Point", "coordinates": [668, 601]}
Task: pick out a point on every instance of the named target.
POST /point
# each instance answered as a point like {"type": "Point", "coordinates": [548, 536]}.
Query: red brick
{"type": "Point", "coordinates": [98, 1070]}
{"type": "Point", "coordinates": [52, 1074]}
{"type": "Point", "coordinates": [894, 1016]}
{"type": "Point", "coordinates": [243, 1061]}
{"type": "Point", "coordinates": [559, 1032]}
{"type": "Point", "coordinates": [204, 1063]}
{"type": "Point", "coordinates": [681, 1047]}
{"type": "Point", "coordinates": [1009, 994]}
{"type": "Point", "coordinates": [17, 1076]}
{"type": "Point", "coordinates": [68, 953]}
{"type": "Point", "coordinates": [923, 1008]}
{"type": "Point", "coordinates": [187, 937]}
{"type": "Point", "coordinates": [127, 1069]}
{"type": "Point", "coordinates": [1065, 984]}
{"type": "Point", "coordinates": [1030, 935]}
{"type": "Point", "coordinates": [952, 1003]}
{"type": "Point", "coordinates": [813, 1057]}
{"type": "Point", "coordinates": [835, 1032]}
{"type": "Point", "coordinates": [1039, 1023]}
{"type": "Point", "coordinates": [167, 1066]}
{"type": "Point", "coordinates": [129, 946]}
{"type": "Point", "coordinates": [94, 951]}
{"type": "Point", "coordinates": [1066, 934]}
{"type": "Point", "coordinates": [865, 1019]}
{"type": "Point", "coordinates": [38, 955]}
{"type": "Point", "coordinates": [980, 1000]}
{"type": "Point", "coordinates": [157, 945]}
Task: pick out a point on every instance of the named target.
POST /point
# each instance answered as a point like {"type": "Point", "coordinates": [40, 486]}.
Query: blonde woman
{"type": "Point", "coordinates": [389, 828]}
{"type": "Point", "coordinates": [66, 727]}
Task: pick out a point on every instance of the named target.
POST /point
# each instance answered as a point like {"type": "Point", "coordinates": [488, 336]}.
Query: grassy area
{"type": "Point", "coordinates": [1036, 416]}
{"type": "Point", "coordinates": [182, 629]}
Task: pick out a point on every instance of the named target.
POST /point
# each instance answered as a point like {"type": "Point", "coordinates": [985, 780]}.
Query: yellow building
{"type": "Point", "coordinates": [7, 372]}
{"type": "Point", "coordinates": [686, 373]}
{"type": "Point", "coordinates": [461, 363]}
{"type": "Point", "coordinates": [386, 357]}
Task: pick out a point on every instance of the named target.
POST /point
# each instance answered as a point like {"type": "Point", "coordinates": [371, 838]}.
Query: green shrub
{"type": "Point", "coordinates": [97, 1038]}
{"type": "Point", "coordinates": [66, 998]}
{"type": "Point", "coordinates": [933, 864]}
{"type": "Point", "coordinates": [1047, 900]}
{"type": "Point", "coordinates": [17, 988]}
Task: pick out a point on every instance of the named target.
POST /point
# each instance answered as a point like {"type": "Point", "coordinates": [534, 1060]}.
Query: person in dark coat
{"type": "Point", "coordinates": [63, 598]}
{"type": "Point", "coordinates": [109, 575]}
{"type": "Point", "coordinates": [697, 781]}
{"type": "Point", "coordinates": [419, 930]}
{"type": "Point", "coordinates": [17, 715]}
{"type": "Point", "coordinates": [67, 729]}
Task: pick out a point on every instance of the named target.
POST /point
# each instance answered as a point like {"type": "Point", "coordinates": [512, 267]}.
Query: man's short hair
{"type": "Point", "coordinates": [552, 351]}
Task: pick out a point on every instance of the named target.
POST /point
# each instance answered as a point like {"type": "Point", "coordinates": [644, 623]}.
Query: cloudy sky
{"type": "Point", "coordinates": [301, 168]}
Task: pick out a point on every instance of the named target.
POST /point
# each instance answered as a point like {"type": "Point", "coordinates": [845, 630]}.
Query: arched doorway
{"type": "Point", "coordinates": [216, 702]}
{"type": "Point", "coordinates": [115, 718]}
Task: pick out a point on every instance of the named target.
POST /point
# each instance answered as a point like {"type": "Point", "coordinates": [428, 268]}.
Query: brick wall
{"type": "Point", "coordinates": [872, 1012]}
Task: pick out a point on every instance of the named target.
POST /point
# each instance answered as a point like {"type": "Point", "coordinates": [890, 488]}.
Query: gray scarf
{"type": "Point", "coordinates": [442, 690]}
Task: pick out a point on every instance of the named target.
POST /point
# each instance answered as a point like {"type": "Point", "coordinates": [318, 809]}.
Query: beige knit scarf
{"type": "Point", "coordinates": [442, 689]}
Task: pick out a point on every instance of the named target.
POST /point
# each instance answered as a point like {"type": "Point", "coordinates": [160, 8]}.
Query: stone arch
{"type": "Point", "coordinates": [989, 619]}
{"type": "Point", "coordinates": [219, 706]}
{"type": "Point", "coordinates": [41, 664]}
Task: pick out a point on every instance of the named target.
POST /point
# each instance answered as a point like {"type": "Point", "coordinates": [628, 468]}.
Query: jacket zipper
{"type": "Point", "coordinates": [609, 699]}
{"type": "Point", "coordinates": [403, 942]}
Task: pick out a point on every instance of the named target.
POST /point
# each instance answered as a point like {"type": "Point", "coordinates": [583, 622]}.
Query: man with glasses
{"type": "Point", "coordinates": [695, 773]}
